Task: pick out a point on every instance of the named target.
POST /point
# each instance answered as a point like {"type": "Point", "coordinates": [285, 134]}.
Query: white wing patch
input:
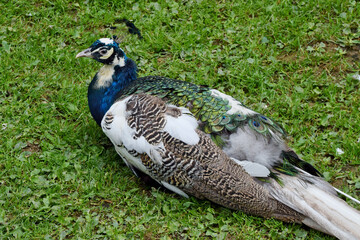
{"type": "Point", "coordinates": [183, 127]}
{"type": "Point", "coordinates": [236, 106]}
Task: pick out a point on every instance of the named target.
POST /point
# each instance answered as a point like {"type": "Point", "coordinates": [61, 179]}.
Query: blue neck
{"type": "Point", "coordinates": [100, 98]}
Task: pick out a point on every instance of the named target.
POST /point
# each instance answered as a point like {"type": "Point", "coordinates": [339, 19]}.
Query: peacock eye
{"type": "Point", "coordinates": [103, 51]}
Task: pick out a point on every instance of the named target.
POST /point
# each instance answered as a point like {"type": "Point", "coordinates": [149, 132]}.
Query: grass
{"type": "Point", "coordinates": [59, 175]}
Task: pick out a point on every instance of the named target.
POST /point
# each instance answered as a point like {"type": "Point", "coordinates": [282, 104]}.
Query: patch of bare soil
{"type": "Point", "coordinates": [33, 148]}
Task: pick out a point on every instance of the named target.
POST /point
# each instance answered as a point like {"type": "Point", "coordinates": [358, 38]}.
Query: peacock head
{"type": "Point", "coordinates": [106, 51]}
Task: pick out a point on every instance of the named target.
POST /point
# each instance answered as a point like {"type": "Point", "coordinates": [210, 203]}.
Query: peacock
{"type": "Point", "coordinates": [194, 140]}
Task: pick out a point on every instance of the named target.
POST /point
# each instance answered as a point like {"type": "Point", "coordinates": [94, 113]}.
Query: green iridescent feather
{"type": "Point", "coordinates": [210, 110]}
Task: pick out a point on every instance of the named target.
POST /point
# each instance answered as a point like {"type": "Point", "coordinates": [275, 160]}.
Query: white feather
{"type": "Point", "coordinates": [253, 169]}
{"type": "Point", "coordinates": [245, 145]}
{"type": "Point", "coordinates": [325, 212]}
{"type": "Point", "coordinates": [119, 61]}
{"type": "Point", "coordinates": [122, 62]}
{"type": "Point", "coordinates": [183, 127]}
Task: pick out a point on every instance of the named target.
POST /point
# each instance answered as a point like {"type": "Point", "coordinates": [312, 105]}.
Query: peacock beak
{"type": "Point", "coordinates": [85, 53]}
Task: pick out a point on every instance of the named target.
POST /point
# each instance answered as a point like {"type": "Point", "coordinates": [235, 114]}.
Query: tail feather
{"type": "Point", "coordinates": [324, 211]}
{"type": "Point", "coordinates": [332, 213]}
{"type": "Point", "coordinates": [347, 195]}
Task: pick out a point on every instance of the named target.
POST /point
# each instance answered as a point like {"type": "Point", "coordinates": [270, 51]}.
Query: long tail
{"type": "Point", "coordinates": [324, 211]}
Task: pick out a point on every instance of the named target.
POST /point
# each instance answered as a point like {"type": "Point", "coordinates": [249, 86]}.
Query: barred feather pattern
{"type": "Point", "coordinates": [202, 170]}
{"type": "Point", "coordinates": [108, 120]}
{"type": "Point", "coordinates": [146, 118]}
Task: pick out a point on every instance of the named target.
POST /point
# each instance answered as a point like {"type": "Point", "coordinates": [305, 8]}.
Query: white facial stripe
{"type": "Point", "coordinates": [106, 40]}
{"type": "Point", "coordinates": [108, 54]}
{"type": "Point", "coordinates": [96, 50]}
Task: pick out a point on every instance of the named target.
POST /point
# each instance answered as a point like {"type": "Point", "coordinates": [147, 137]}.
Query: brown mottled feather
{"type": "Point", "coordinates": [202, 170]}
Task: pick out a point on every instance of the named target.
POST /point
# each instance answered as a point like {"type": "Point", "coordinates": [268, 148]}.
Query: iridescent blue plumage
{"type": "Point", "coordinates": [118, 72]}
{"type": "Point", "coordinates": [101, 98]}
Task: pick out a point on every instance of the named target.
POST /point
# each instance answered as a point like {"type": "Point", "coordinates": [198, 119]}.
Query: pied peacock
{"type": "Point", "coordinates": [197, 141]}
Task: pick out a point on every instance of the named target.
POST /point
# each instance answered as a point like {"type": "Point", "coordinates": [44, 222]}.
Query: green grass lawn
{"type": "Point", "coordinates": [59, 175]}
